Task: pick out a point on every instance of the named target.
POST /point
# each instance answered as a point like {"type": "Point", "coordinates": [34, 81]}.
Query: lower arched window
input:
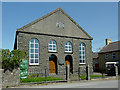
{"type": "Point", "coordinates": [34, 52]}
{"type": "Point", "coordinates": [82, 53]}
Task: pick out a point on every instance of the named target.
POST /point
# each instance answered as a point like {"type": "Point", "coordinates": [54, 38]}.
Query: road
{"type": "Point", "coordinates": [76, 84]}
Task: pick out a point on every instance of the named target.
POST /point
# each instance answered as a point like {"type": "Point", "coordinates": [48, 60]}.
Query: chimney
{"type": "Point", "coordinates": [108, 41]}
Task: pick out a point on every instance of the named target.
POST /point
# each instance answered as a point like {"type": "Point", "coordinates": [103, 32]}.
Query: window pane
{"type": "Point", "coordinates": [83, 52]}
{"type": "Point", "coordinates": [83, 61]}
{"type": "Point", "coordinates": [36, 60]}
{"type": "Point", "coordinates": [66, 49]}
{"type": "Point", "coordinates": [31, 45]}
{"type": "Point", "coordinates": [54, 42]}
{"type": "Point", "coordinates": [54, 49]}
{"type": "Point", "coordinates": [31, 50]}
{"type": "Point", "coordinates": [50, 42]}
{"type": "Point", "coordinates": [32, 40]}
{"type": "Point", "coordinates": [36, 50]}
{"type": "Point", "coordinates": [70, 49]}
{"type": "Point", "coordinates": [50, 48]}
{"type": "Point", "coordinates": [80, 61]}
{"type": "Point", "coordinates": [36, 55]}
{"type": "Point", "coordinates": [32, 55]}
{"type": "Point", "coordinates": [36, 41]}
{"type": "Point", "coordinates": [54, 45]}
{"type": "Point", "coordinates": [36, 45]}
{"type": "Point", "coordinates": [31, 61]}
{"type": "Point", "coordinates": [50, 45]}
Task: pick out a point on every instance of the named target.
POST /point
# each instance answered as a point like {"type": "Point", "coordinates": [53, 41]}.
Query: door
{"type": "Point", "coordinates": [68, 60]}
{"type": "Point", "coordinates": [53, 64]}
{"type": "Point", "coordinates": [52, 68]}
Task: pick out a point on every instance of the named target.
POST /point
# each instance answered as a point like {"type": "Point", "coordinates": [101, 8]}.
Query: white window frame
{"type": "Point", "coordinates": [106, 56]}
{"type": "Point", "coordinates": [52, 46]}
{"type": "Point", "coordinates": [113, 55]}
{"type": "Point", "coordinates": [81, 55]}
{"type": "Point", "coordinates": [68, 44]}
{"type": "Point", "coordinates": [33, 53]}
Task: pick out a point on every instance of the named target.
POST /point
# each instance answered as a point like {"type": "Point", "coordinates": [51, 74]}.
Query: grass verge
{"type": "Point", "coordinates": [39, 79]}
{"type": "Point", "coordinates": [83, 77]}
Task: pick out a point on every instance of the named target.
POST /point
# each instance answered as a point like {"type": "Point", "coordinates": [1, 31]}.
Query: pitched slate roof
{"type": "Point", "coordinates": [114, 46]}
{"type": "Point", "coordinates": [59, 9]}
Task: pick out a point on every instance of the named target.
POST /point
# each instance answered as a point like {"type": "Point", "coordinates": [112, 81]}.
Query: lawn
{"type": "Point", "coordinates": [83, 77]}
{"type": "Point", "coordinates": [39, 79]}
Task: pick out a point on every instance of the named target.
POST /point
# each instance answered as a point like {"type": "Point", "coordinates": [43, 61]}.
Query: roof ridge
{"type": "Point", "coordinates": [114, 42]}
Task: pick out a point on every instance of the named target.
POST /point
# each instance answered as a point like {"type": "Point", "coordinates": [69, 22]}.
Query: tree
{"type": "Point", "coordinates": [17, 56]}
{"type": "Point", "coordinates": [5, 58]}
{"type": "Point", "coordinates": [11, 60]}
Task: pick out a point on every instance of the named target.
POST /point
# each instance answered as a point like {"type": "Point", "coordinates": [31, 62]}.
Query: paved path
{"type": "Point", "coordinates": [76, 84]}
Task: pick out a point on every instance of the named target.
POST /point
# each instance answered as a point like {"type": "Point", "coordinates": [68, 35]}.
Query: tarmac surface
{"type": "Point", "coordinates": [77, 84]}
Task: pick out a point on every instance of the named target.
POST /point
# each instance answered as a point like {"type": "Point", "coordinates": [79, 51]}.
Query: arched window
{"type": "Point", "coordinates": [52, 46]}
{"type": "Point", "coordinates": [34, 52]}
{"type": "Point", "coordinates": [68, 47]}
{"type": "Point", "coordinates": [82, 53]}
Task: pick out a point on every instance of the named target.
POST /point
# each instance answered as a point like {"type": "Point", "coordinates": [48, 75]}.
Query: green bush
{"type": "Point", "coordinates": [11, 60]}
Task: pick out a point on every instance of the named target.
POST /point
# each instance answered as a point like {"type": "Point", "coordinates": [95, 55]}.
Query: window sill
{"type": "Point", "coordinates": [52, 51]}
{"type": "Point", "coordinates": [82, 63]}
{"type": "Point", "coordinates": [34, 64]}
{"type": "Point", "coordinates": [69, 52]}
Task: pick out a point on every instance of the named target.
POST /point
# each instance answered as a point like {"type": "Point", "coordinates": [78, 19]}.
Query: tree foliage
{"type": "Point", "coordinates": [11, 60]}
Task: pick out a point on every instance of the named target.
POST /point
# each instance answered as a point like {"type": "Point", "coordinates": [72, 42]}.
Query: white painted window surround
{"type": "Point", "coordinates": [82, 53]}
{"type": "Point", "coordinates": [34, 52]}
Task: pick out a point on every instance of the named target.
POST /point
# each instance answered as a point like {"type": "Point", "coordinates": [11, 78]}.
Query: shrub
{"type": "Point", "coordinates": [11, 60]}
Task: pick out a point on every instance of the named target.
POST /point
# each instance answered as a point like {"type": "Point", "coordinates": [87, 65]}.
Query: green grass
{"type": "Point", "coordinates": [39, 79]}
{"type": "Point", "coordinates": [83, 77]}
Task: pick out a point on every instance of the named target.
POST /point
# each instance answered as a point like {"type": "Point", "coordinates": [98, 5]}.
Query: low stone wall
{"type": "Point", "coordinates": [1, 78]}
{"type": "Point", "coordinates": [11, 78]}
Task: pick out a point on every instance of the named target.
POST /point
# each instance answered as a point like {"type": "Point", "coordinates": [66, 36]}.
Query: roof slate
{"type": "Point", "coordinates": [114, 46]}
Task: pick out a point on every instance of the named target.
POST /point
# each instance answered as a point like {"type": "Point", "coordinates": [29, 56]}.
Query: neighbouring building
{"type": "Point", "coordinates": [52, 42]}
{"type": "Point", "coordinates": [110, 53]}
{"type": "Point", "coordinates": [95, 62]}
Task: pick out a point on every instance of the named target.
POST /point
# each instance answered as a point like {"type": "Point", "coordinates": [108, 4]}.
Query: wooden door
{"type": "Point", "coordinates": [52, 66]}
{"type": "Point", "coordinates": [67, 62]}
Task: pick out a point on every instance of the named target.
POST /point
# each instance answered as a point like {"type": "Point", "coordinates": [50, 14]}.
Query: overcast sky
{"type": "Point", "coordinates": [99, 20]}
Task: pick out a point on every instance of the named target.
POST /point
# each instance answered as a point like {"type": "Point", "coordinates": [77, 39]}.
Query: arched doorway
{"type": "Point", "coordinates": [68, 60]}
{"type": "Point", "coordinates": [52, 64]}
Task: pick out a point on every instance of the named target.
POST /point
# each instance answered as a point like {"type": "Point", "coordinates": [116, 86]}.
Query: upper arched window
{"type": "Point", "coordinates": [68, 47]}
{"type": "Point", "coordinates": [52, 46]}
{"type": "Point", "coordinates": [82, 53]}
{"type": "Point", "coordinates": [34, 52]}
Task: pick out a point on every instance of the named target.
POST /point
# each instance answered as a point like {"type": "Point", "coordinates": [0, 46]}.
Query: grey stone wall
{"type": "Point", "coordinates": [23, 44]}
{"type": "Point", "coordinates": [1, 70]}
{"type": "Point", "coordinates": [11, 78]}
